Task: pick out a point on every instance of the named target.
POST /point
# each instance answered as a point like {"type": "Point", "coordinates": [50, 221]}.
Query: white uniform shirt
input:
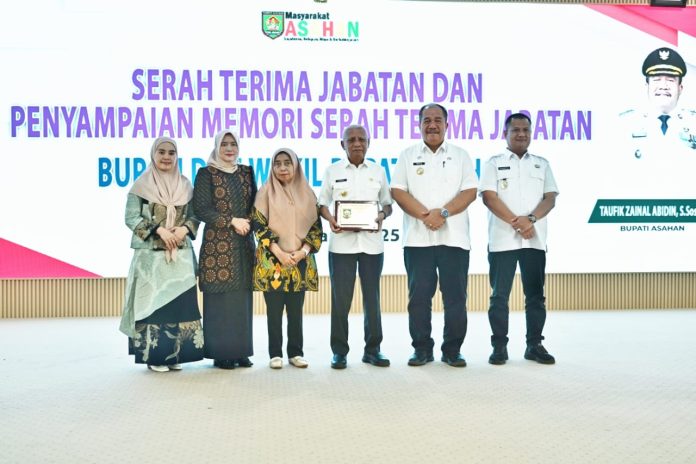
{"type": "Point", "coordinates": [344, 181]}
{"type": "Point", "coordinates": [651, 164]}
{"type": "Point", "coordinates": [434, 179]}
{"type": "Point", "coordinates": [647, 139]}
{"type": "Point", "coordinates": [521, 185]}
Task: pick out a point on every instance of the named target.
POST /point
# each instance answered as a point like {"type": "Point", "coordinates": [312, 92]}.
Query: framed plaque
{"type": "Point", "coordinates": [357, 215]}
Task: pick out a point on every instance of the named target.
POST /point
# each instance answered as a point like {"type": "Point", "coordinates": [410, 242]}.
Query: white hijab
{"type": "Point", "coordinates": [214, 159]}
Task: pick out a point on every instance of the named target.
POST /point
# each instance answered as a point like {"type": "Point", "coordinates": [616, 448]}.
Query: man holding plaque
{"type": "Point", "coordinates": [519, 190]}
{"type": "Point", "coordinates": [434, 183]}
{"type": "Point", "coordinates": [355, 199]}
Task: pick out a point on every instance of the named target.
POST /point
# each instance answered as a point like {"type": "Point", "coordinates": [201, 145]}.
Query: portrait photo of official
{"type": "Point", "coordinates": [661, 127]}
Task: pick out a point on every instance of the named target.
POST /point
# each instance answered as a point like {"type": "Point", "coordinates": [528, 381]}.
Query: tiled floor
{"type": "Point", "coordinates": [623, 391]}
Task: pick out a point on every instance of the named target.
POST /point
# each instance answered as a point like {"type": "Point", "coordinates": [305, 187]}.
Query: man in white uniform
{"type": "Point", "coordinates": [434, 183]}
{"type": "Point", "coordinates": [355, 179]}
{"type": "Point", "coordinates": [519, 190]}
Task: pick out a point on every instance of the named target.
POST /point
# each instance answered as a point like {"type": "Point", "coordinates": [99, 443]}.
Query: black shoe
{"type": "Point", "coordinates": [224, 363]}
{"type": "Point", "coordinates": [499, 355]}
{"type": "Point", "coordinates": [338, 361]}
{"type": "Point", "coordinates": [539, 354]}
{"type": "Point", "coordinates": [243, 362]}
{"type": "Point", "coordinates": [419, 358]}
{"type": "Point", "coordinates": [377, 359]}
{"type": "Point", "coordinates": [454, 360]}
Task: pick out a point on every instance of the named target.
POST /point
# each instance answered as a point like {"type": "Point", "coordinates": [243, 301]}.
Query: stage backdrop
{"type": "Point", "coordinates": [87, 86]}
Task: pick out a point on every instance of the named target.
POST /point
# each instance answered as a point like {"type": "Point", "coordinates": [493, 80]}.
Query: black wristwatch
{"type": "Point", "coordinates": [532, 218]}
{"type": "Point", "coordinates": [444, 213]}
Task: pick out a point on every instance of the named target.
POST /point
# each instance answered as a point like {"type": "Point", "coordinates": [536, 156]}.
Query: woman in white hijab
{"type": "Point", "coordinates": [288, 229]}
{"type": "Point", "coordinates": [222, 198]}
{"type": "Point", "coordinates": [160, 312]}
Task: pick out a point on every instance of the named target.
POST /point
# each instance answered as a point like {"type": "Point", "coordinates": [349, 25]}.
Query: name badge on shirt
{"type": "Point", "coordinates": [420, 170]}
{"type": "Point", "coordinates": [341, 180]}
{"type": "Point", "coordinates": [503, 168]}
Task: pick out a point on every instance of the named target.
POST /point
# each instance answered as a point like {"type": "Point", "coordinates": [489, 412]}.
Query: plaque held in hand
{"type": "Point", "coordinates": [357, 215]}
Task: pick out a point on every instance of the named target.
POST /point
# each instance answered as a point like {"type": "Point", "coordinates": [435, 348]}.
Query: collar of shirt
{"type": "Point", "coordinates": [346, 164]}
{"type": "Point", "coordinates": [512, 154]}
{"type": "Point", "coordinates": [426, 149]}
{"type": "Point", "coordinates": [654, 113]}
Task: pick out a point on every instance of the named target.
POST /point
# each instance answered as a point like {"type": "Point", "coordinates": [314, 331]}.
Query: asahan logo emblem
{"type": "Point", "coordinates": [273, 23]}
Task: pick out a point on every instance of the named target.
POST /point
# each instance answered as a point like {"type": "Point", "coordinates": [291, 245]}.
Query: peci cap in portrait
{"type": "Point", "coordinates": [664, 61]}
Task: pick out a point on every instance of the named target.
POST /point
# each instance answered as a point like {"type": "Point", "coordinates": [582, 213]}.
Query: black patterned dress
{"type": "Point", "coordinates": [226, 261]}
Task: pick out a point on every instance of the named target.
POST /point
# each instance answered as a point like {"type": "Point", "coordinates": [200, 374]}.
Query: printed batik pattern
{"type": "Point", "coordinates": [269, 274]}
{"type": "Point", "coordinates": [167, 344]}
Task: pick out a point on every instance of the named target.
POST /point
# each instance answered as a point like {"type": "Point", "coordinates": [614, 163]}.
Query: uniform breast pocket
{"type": "Point", "coordinates": [453, 175]}
{"type": "Point", "coordinates": [504, 179]}
{"type": "Point", "coordinates": [372, 191]}
{"type": "Point", "coordinates": [537, 175]}
{"type": "Point", "coordinates": [536, 181]}
{"type": "Point", "coordinates": [417, 170]}
{"type": "Point", "coordinates": [339, 190]}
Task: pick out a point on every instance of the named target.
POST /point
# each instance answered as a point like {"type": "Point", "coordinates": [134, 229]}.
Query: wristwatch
{"type": "Point", "coordinates": [532, 218]}
{"type": "Point", "coordinates": [444, 213]}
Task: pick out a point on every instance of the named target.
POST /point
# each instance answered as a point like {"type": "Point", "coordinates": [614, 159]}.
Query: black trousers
{"type": "Point", "coordinates": [502, 272]}
{"type": "Point", "coordinates": [424, 265]}
{"type": "Point", "coordinates": [293, 303]}
{"type": "Point", "coordinates": [342, 269]}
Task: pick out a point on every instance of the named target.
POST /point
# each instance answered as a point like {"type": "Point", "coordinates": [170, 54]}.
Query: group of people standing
{"type": "Point", "coordinates": [161, 315]}
{"type": "Point", "coordinates": [265, 240]}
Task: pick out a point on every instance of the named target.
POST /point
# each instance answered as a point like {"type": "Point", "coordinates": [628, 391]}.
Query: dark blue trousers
{"type": "Point", "coordinates": [342, 269]}
{"type": "Point", "coordinates": [502, 272]}
{"type": "Point", "coordinates": [424, 265]}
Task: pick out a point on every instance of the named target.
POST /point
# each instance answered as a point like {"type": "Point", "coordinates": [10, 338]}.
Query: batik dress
{"type": "Point", "coordinates": [160, 312]}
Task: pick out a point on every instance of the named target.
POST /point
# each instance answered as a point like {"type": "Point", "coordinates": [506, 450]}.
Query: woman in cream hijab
{"type": "Point", "coordinates": [288, 230]}
{"type": "Point", "coordinates": [160, 313]}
